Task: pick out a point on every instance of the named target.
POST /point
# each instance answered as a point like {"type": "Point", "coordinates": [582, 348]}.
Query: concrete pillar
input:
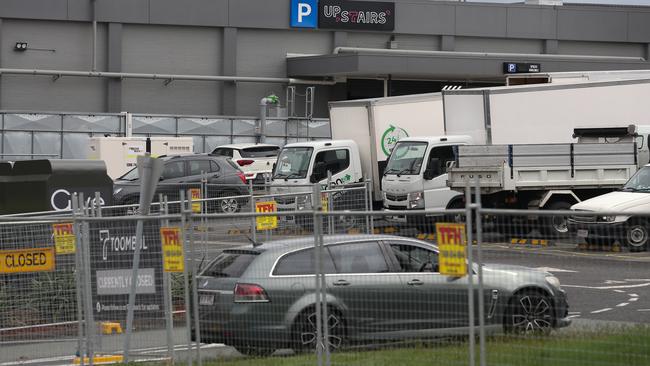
{"type": "Point", "coordinates": [340, 39]}
{"type": "Point", "coordinates": [114, 54]}
{"type": "Point", "coordinates": [229, 68]}
{"type": "Point", "coordinates": [447, 43]}
{"type": "Point", "coordinates": [550, 46]}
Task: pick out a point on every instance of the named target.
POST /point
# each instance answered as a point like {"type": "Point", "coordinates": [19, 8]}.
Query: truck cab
{"type": "Point", "coordinates": [302, 164]}
{"type": "Point", "coordinates": [415, 177]}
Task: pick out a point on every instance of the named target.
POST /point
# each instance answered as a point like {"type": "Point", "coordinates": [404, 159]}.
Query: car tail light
{"type": "Point", "coordinates": [248, 292]}
{"type": "Point", "coordinates": [242, 177]}
{"type": "Point", "coordinates": [245, 162]}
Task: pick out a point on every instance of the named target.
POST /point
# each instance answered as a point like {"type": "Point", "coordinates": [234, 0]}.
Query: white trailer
{"type": "Point", "coordinates": [377, 124]}
{"type": "Point", "coordinates": [545, 113]}
{"type": "Point", "coordinates": [121, 153]}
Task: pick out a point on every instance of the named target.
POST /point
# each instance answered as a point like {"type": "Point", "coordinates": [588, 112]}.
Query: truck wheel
{"type": "Point", "coordinates": [637, 236]}
{"type": "Point", "coordinates": [557, 226]}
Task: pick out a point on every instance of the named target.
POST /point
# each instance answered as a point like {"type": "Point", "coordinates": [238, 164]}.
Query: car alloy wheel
{"type": "Point", "coordinates": [531, 314]}
{"type": "Point", "coordinates": [306, 331]}
{"type": "Point", "coordinates": [637, 237]}
{"type": "Point", "coordinates": [229, 205]}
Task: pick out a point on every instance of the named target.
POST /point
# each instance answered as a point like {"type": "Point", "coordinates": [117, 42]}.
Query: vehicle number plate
{"type": "Point", "coordinates": [582, 233]}
{"type": "Point", "coordinates": [206, 299]}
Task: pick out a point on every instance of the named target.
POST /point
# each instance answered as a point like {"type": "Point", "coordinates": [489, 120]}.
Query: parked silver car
{"type": "Point", "coordinates": [379, 287]}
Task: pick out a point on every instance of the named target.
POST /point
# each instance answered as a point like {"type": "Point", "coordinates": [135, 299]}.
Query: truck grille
{"type": "Point", "coordinates": [285, 200]}
{"type": "Point", "coordinates": [396, 197]}
{"type": "Point", "coordinates": [583, 218]}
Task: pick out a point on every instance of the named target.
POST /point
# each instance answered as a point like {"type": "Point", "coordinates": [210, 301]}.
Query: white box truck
{"type": "Point", "coordinates": [121, 153]}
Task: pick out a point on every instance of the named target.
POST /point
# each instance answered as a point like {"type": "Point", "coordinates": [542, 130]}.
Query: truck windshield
{"type": "Point", "coordinates": [406, 158]}
{"type": "Point", "coordinates": [293, 162]}
{"type": "Point", "coordinates": [639, 181]}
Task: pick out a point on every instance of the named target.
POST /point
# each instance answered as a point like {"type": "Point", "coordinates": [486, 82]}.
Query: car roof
{"type": "Point", "coordinates": [285, 245]}
{"type": "Point", "coordinates": [191, 156]}
{"type": "Point", "coordinates": [245, 146]}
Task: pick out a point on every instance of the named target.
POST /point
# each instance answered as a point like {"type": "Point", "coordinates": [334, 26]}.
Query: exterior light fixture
{"type": "Point", "coordinates": [20, 46]}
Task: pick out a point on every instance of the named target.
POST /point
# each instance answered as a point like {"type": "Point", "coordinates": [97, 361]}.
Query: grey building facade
{"type": "Point", "coordinates": [433, 44]}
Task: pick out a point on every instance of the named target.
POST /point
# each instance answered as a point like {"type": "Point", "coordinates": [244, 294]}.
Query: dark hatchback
{"type": "Point", "coordinates": [379, 288]}
{"type": "Point", "coordinates": [182, 172]}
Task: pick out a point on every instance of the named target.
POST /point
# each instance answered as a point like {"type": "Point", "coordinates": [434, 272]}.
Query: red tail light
{"type": "Point", "coordinates": [248, 292]}
{"type": "Point", "coordinates": [245, 162]}
{"type": "Point", "coordinates": [242, 177]}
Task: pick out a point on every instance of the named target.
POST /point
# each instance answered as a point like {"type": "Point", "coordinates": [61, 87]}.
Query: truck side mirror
{"type": "Point", "coordinates": [320, 172]}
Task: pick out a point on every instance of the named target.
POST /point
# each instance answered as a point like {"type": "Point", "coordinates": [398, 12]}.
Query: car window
{"type": "Point", "coordinates": [260, 152]}
{"type": "Point", "coordinates": [223, 152]}
{"type": "Point", "coordinates": [412, 258]}
{"type": "Point", "coordinates": [358, 258]}
{"type": "Point", "coordinates": [440, 156]}
{"type": "Point", "coordinates": [214, 167]}
{"type": "Point", "coordinates": [335, 160]}
{"type": "Point", "coordinates": [302, 263]}
{"type": "Point", "coordinates": [174, 169]}
{"type": "Point", "coordinates": [229, 264]}
{"type": "Point", "coordinates": [198, 167]}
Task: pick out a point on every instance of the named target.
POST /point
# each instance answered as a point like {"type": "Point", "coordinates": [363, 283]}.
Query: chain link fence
{"type": "Point", "coordinates": [312, 275]}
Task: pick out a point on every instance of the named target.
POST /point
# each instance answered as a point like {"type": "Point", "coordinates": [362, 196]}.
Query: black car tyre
{"type": "Point", "coordinates": [529, 312]}
{"type": "Point", "coordinates": [637, 236]}
{"type": "Point", "coordinates": [556, 226]}
{"type": "Point", "coordinates": [303, 332]}
{"type": "Point", "coordinates": [228, 204]}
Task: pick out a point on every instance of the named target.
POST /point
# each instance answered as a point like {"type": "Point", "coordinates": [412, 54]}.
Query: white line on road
{"type": "Point", "coordinates": [622, 304]}
{"type": "Point", "coordinates": [601, 310]}
{"type": "Point", "coordinates": [634, 295]}
{"type": "Point", "coordinates": [551, 269]}
{"type": "Point", "coordinates": [643, 309]}
{"type": "Point", "coordinates": [632, 299]}
{"type": "Point", "coordinates": [609, 287]}
{"type": "Point", "coordinates": [619, 291]}
{"type": "Point", "coordinates": [573, 316]}
{"type": "Point", "coordinates": [574, 312]}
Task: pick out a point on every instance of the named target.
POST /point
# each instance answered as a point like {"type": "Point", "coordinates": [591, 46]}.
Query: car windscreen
{"type": "Point", "coordinates": [230, 263]}
{"type": "Point", "coordinates": [130, 175]}
{"type": "Point", "coordinates": [293, 162]}
{"type": "Point", "coordinates": [639, 181]}
{"type": "Point", "coordinates": [260, 152]}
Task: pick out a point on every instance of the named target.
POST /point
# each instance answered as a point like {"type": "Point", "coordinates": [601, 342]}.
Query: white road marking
{"type": "Point", "coordinates": [631, 299]}
{"type": "Point", "coordinates": [609, 287]}
{"type": "Point", "coordinates": [634, 295]}
{"type": "Point", "coordinates": [622, 304]}
{"type": "Point", "coordinates": [637, 279]}
{"type": "Point", "coordinates": [574, 312]}
{"type": "Point", "coordinates": [643, 309]}
{"type": "Point", "coordinates": [551, 269]}
{"type": "Point", "coordinates": [609, 282]}
{"type": "Point", "coordinates": [601, 310]}
{"type": "Point", "coordinates": [573, 316]}
{"type": "Point", "coordinates": [619, 291]}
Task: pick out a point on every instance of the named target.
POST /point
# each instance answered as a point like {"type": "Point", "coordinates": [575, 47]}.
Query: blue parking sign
{"type": "Point", "coordinates": [512, 68]}
{"type": "Point", "coordinates": [304, 13]}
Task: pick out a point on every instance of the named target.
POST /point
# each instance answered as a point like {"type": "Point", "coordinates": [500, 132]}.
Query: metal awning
{"type": "Point", "coordinates": [443, 65]}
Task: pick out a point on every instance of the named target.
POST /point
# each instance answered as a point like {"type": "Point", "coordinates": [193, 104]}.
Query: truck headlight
{"type": "Point", "coordinates": [117, 190]}
{"type": "Point", "coordinates": [416, 200]}
{"type": "Point", "coordinates": [303, 201]}
{"type": "Point", "coordinates": [553, 281]}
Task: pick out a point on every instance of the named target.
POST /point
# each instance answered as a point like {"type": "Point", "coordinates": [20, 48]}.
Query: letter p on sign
{"type": "Point", "coordinates": [304, 13]}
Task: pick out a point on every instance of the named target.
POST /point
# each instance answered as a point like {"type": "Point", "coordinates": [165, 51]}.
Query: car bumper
{"type": "Point", "coordinates": [561, 310]}
{"type": "Point", "coordinates": [597, 230]}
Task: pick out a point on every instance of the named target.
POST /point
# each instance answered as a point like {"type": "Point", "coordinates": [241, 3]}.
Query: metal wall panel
{"type": "Point", "coordinates": [204, 126]}
{"type": "Point", "coordinates": [592, 25]}
{"type": "Point", "coordinates": [94, 123]}
{"type": "Point", "coordinates": [32, 121]}
{"type": "Point", "coordinates": [50, 9]}
{"type": "Point", "coordinates": [243, 127]}
{"type": "Point", "coordinates": [259, 14]}
{"type": "Point", "coordinates": [19, 92]}
{"type": "Point", "coordinates": [485, 21]}
{"type": "Point", "coordinates": [601, 48]}
{"type": "Point", "coordinates": [198, 12]}
{"type": "Point", "coordinates": [424, 18]}
{"type": "Point", "coordinates": [17, 143]}
{"type": "Point", "coordinates": [154, 125]}
{"type": "Point", "coordinates": [533, 22]}
{"type": "Point", "coordinates": [638, 26]}
{"type": "Point", "coordinates": [75, 145]}
{"type": "Point", "coordinates": [124, 11]}
{"type": "Point", "coordinates": [48, 143]}
{"type": "Point", "coordinates": [179, 97]}
{"type": "Point", "coordinates": [476, 44]}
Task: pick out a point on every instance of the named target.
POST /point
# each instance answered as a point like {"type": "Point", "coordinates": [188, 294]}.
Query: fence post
{"type": "Point", "coordinates": [186, 297]}
{"type": "Point", "coordinates": [330, 205]}
{"type": "Point", "coordinates": [78, 278]}
{"type": "Point", "coordinates": [195, 295]}
{"type": "Point", "coordinates": [370, 201]}
{"type": "Point", "coordinates": [479, 260]}
{"type": "Point", "coordinates": [90, 318]}
{"type": "Point", "coordinates": [367, 207]}
{"type": "Point", "coordinates": [470, 271]}
{"type": "Point", "coordinates": [322, 336]}
{"type": "Point", "coordinates": [169, 307]}
{"type": "Point", "coordinates": [253, 218]}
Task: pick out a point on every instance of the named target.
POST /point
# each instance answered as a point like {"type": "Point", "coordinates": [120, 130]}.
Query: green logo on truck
{"type": "Point", "coordinates": [390, 138]}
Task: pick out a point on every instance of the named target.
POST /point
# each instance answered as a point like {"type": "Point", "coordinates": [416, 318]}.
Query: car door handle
{"type": "Point", "coordinates": [341, 283]}
{"type": "Point", "coordinates": [415, 282]}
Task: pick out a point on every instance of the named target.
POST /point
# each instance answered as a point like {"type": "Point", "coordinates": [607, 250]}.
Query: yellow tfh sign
{"type": "Point", "coordinates": [452, 244]}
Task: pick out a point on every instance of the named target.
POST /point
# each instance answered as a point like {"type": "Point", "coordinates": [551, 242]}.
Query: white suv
{"type": "Point", "coordinates": [255, 160]}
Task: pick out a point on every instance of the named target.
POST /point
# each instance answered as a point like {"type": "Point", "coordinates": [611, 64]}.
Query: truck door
{"type": "Point", "coordinates": [436, 193]}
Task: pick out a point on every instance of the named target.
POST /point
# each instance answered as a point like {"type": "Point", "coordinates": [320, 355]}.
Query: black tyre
{"type": "Point", "coordinates": [637, 236]}
{"type": "Point", "coordinates": [529, 312]}
{"type": "Point", "coordinates": [556, 226]}
{"type": "Point", "coordinates": [303, 334]}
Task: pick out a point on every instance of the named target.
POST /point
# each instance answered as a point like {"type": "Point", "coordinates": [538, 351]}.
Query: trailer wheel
{"type": "Point", "coordinates": [637, 236]}
{"type": "Point", "coordinates": [557, 226]}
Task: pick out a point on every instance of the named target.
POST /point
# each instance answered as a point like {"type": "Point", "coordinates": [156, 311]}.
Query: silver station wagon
{"type": "Point", "coordinates": [378, 287]}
